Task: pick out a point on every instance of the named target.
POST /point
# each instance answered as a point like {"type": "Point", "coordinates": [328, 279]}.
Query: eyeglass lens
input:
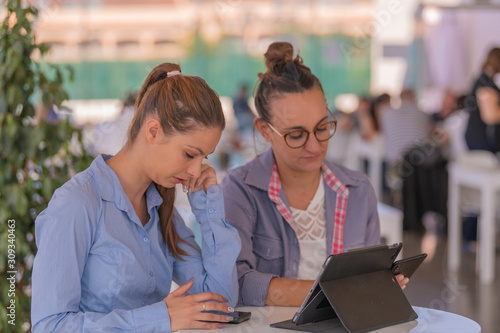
{"type": "Point", "coordinates": [323, 132]}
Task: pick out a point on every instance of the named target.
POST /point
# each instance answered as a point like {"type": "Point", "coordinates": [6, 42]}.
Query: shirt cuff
{"type": "Point", "coordinates": [152, 316]}
{"type": "Point", "coordinates": [208, 206]}
{"type": "Point", "coordinates": [254, 287]}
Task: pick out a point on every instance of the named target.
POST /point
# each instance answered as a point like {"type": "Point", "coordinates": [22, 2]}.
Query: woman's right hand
{"type": "Point", "coordinates": [186, 312]}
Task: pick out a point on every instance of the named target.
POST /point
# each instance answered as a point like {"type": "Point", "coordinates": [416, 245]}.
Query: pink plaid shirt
{"type": "Point", "coordinates": [340, 205]}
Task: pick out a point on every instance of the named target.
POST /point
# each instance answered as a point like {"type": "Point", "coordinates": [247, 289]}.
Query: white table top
{"type": "Point", "coordinates": [429, 321]}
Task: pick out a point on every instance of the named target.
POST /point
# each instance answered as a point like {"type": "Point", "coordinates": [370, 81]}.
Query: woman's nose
{"type": "Point", "coordinates": [194, 170]}
{"type": "Point", "coordinates": [312, 143]}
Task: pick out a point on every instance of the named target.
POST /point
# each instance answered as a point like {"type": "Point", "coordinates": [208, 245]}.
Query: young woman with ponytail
{"type": "Point", "coordinates": [291, 207]}
{"type": "Point", "coordinates": [110, 242]}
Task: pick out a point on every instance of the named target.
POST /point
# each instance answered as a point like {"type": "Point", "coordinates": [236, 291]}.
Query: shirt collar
{"type": "Point", "coordinates": [259, 173]}
{"type": "Point", "coordinates": [111, 189]}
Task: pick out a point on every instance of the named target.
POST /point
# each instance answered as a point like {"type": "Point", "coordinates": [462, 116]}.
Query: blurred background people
{"type": "Point", "coordinates": [483, 128]}
{"type": "Point", "coordinates": [109, 137]}
{"type": "Point", "coordinates": [368, 115]}
{"type": "Point", "coordinates": [242, 111]}
{"type": "Point", "coordinates": [417, 171]}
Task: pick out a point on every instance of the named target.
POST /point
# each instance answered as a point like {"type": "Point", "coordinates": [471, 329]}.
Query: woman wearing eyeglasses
{"type": "Point", "coordinates": [291, 207]}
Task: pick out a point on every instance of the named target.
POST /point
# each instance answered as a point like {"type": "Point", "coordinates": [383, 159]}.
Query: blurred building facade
{"type": "Point", "coordinates": [111, 42]}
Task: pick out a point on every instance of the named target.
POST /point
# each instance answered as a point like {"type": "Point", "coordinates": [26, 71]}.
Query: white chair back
{"type": "Point", "coordinates": [479, 159]}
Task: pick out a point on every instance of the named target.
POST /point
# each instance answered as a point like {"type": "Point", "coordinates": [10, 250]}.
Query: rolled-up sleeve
{"type": "Point", "coordinates": [373, 223]}
{"type": "Point", "coordinates": [240, 213]}
{"type": "Point", "coordinates": [213, 267]}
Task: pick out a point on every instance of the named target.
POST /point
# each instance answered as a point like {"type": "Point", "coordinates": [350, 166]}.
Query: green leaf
{"type": "Point", "coordinates": [44, 48]}
{"type": "Point", "coordinates": [26, 83]}
{"type": "Point", "coordinates": [10, 126]}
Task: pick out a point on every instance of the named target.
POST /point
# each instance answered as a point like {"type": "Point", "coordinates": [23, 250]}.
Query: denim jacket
{"type": "Point", "coordinates": [270, 247]}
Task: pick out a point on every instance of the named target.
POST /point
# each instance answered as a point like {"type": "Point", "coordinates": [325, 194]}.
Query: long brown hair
{"type": "Point", "coordinates": [181, 103]}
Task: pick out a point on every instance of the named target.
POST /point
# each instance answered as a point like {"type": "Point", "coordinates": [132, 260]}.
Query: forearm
{"type": "Point", "coordinates": [149, 318]}
{"type": "Point", "coordinates": [287, 292]}
{"type": "Point", "coordinates": [220, 248]}
{"type": "Point", "coordinates": [489, 107]}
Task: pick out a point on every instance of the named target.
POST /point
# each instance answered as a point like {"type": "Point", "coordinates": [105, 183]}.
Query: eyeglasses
{"type": "Point", "coordinates": [298, 138]}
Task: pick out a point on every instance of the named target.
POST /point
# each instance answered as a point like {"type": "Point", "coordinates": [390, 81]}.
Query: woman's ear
{"type": "Point", "coordinates": [263, 129]}
{"type": "Point", "coordinates": [154, 131]}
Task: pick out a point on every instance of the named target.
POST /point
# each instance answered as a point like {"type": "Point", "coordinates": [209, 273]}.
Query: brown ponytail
{"type": "Point", "coordinates": [285, 74]}
{"type": "Point", "coordinates": [181, 103]}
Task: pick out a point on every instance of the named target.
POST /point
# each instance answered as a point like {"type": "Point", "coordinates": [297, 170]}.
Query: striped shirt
{"type": "Point", "coordinates": [404, 128]}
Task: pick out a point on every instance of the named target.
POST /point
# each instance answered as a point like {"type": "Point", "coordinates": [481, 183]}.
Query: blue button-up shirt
{"type": "Point", "coordinates": [98, 269]}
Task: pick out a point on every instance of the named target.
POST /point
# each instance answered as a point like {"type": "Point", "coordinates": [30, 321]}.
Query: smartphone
{"type": "Point", "coordinates": [238, 316]}
{"type": "Point", "coordinates": [408, 266]}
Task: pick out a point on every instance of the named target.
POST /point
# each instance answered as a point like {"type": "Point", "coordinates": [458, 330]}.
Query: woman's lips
{"type": "Point", "coordinates": [311, 157]}
{"type": "Point", "coordinates": [179, 180]}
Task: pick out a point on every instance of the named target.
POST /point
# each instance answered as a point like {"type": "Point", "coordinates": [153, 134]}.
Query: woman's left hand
{"type": "Point", "coordinates": [402, 280]}
{"type": "Point", "coordinates": [207, 178]}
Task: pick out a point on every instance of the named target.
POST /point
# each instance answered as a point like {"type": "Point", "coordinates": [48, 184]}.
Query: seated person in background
{"type": "Point", "coordinates": [110, 242]}
{"type": "Point", "coordinates": [109, 137]}
{"type": "Point", "coordinates": [483, 104]}
{"type": "Point", "coordinates": [242, 110]}
{"type": "Point", "coordinates": [448, 106]}
{"type": "Point", "coordinates": [404, 128]}
{"type": "Point", "coordinates": [448, 126]}
{"type": "Point", "coordinates": [368, 114]}
{"type": "Point", "coordinates": [291, 207]}
{"type": "Point", "coordinates": [417, 170]}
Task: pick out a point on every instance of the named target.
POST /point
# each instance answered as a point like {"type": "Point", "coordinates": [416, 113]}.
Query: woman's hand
{"type": "Point", "coordinates": [206, 179]}
{"type": "Point", "coordinates": [402, 280]}
{"type": "Point", "coordinates": [186, 312]}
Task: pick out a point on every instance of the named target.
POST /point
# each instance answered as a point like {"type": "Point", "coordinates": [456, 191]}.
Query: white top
{"type": "Point", "coordinates": [311, 233]}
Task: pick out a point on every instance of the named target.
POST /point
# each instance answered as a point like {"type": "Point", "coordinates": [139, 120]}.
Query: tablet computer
{"type": "Point", "coordinates": [315, 306]}
{"type": "Point", "coordinates": [355, 290]}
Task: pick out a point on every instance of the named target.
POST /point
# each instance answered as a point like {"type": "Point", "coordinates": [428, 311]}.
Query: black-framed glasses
{"type": "Point", "coordinates": [298, 138]}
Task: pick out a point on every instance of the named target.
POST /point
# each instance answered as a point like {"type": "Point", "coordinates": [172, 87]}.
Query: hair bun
{"type": "Point", "coordinates": [278, 53]}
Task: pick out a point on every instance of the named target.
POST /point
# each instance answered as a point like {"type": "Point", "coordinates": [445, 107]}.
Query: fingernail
{"type": "Point", "coordinates": [229, 318]}
{"type": "Point", "coordinates": [407, 280]}
{"type": "Point", "coordinates": [191, 279]}
{"type": "Point", "coordinates": [196, 185]}
{"type": "Point", "coordinates": [225, 299]}
{"type": "Point", "coordinates": [230, 309]}
{"type": "Point", "coordinates": [184, 188]}
{"type": "Point", "coordinates": [219, 326]}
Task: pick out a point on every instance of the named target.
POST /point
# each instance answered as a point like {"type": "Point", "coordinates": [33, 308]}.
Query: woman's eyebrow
{"type": "Point", "coordinates": [198, 149]}
{"type": "Point", "coordinates": [321, 120]}
{"type": "Point", "coordinates": [302, 127]}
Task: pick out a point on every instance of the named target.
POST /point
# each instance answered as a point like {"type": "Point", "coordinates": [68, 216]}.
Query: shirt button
{"type": "Point", "coordinates": [211, 210]}
{"type": "Point", "coordinates": [151, 273]}
{"type": "Point", "coordinates": [145, 239]}
{"type": "Point", "coordinates": [143, 303]}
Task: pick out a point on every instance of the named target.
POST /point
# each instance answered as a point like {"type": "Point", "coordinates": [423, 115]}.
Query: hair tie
{"type": "Point", "coordinates": [173, 73]}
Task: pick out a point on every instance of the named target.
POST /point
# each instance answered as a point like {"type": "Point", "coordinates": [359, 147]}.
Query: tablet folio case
{"type": "Point", "coordinates": [357, 292]}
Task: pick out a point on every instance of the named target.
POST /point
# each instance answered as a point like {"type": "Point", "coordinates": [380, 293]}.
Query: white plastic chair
{"type": "Point", "coordinates": [391, 224]}
{"type": "Point", "coordinates": [478, 170]}
{"type": "Point", "coordinates": [374, 152]}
